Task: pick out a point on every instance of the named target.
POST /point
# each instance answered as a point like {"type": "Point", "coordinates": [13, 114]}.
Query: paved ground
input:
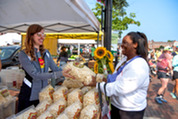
{"type": "Point", "coordinates": [164, 111]}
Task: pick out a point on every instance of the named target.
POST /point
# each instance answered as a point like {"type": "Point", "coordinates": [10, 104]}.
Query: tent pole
{"type": "Point", "coordinates": [108, 24]}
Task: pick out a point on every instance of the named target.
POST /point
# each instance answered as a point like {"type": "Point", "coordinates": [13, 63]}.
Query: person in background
{"type": "Point", "coordinates": [175, 51]}
{"type": "Point", "coordinates": [68, 52]}
{"type": "Point", "coordinates": [92, 51]}
{"type": "Point", "coordinates": [174, 92]}
{"type": "Point", "coordinates": [152, 63]}
{"type": "Point", "coordinates": [63, 57]}
{"type": "Point", "coordinates": [35, 61]}
{"type": "Point", "coordinates": [127, 86]}
{"type": "Point", "coordinates": [0, 64]}
{"type": "Point", "coordinates": [164, 67]}
{"type": "Point", "coordinates": [158, 53]}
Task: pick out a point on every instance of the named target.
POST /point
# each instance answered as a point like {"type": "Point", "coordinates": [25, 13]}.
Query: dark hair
{"type": "Point", "coordinates": [141, 40]}
{"type": "Point", "coordinates": [29, 48]}
{"type": "Point", "coordinates": [63, 48]}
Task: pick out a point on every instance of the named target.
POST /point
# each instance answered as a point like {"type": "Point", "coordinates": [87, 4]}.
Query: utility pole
{"type": "Point", "coordinates": [108, 24]}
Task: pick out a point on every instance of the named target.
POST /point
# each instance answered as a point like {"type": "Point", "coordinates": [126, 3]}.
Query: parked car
{"type": "Point", "coordinates": [9, 56]}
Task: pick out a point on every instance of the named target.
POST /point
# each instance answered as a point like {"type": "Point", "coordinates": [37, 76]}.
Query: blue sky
{"type": "Point", "coordinates": [158, 18]}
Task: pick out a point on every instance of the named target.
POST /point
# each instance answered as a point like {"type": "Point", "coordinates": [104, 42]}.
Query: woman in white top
{"type": "Point", "coordinates": [127, 86]}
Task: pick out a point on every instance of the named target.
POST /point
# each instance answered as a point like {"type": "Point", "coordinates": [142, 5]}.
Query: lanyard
{"type": "Point", "coordinates": [112, 77]}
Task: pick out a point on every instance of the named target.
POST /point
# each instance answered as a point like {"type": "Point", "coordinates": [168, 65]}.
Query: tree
{"type": "Point", "coordinates": [161, 47]}
{"type": "Point", "coordinates": [120, 20]}
{"type": "Point", "coordinates": [170, 41]}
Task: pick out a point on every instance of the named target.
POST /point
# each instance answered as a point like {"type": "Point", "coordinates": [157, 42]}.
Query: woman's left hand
{"type": "Point", "coordinates": [67, 74]}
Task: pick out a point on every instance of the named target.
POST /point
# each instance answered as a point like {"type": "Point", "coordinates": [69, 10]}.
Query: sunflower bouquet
{"type": "Point", "coordinates": [104, 61]}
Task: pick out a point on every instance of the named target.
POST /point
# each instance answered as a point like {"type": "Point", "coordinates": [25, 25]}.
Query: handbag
{"type": "Point", "coordinates": [104, 104]}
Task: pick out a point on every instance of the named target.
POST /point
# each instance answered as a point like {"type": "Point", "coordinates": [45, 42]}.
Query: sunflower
{"type": "Point", "coordinates": [111, 66]}
{"type": "Point", "coordinates": [100, 52]}
{"type": "Point", "coordinates": [109, 56]}
{"type": "Point", "coordinates": [96, 67]}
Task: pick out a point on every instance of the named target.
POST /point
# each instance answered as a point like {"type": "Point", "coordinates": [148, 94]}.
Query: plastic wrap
{"type": "Point", "coordinates": [60, 92]}
{"type": "Point", "coordinates": [99, 77]}
{"type": "Point", "coordinates": [10, 117]}
{"type": "Point", "coordinates": [62, 116]}
{"type": "Point", "coordinates": [7, 102]}
{"type": "Point", "coordinates": [74, 96]}
{"type": "Point", "coordinates": [9, 107]}
{"type": "Point", "coordinates": [2, 99]}
{"type": "Point", "coordinates": [73, 111]}
{"type": "Point", "coordinates": [70, 83]}
{"type": "Point", "coordinates": [5, 93]}
{"type": "Point", "coordinates": [46, 115]}
{"type": "Point", "coordinates": [12, 77]}
{"type": "Point", "coordinates": [1, 111]}
{"type": "Point", "coordinates": [42, 107]}
{"type": "Point", "coordinates": [57, 108]}
{"type": "Point", "coordinates": [46, 94]}
{"type": "Point", "coordinates": [89, 112]}
{"type": "Point", "coordinates": [86, 89]}
{"type": "Point", "coordinates": [28, 113]}
{"type": "Point", "coordinates": [83, 74]}
{"type": "Point", "coordinates": [91, 97]}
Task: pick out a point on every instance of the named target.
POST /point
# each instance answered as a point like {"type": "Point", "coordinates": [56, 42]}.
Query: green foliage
{"type": "Point", "coordinates": [114, 38]}
{"type": "Point", "coordinates": [161, 47]}
{"type": "Point", "coordinates": [120, 19]}
{"type": "Point", "coordinates": [170, 41]}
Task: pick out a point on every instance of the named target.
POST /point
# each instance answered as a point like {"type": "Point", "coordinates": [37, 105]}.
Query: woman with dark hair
{"type": "Point", "coordinates": [127, 86]}
{"type": "Point", "coordinates": [35, 61]}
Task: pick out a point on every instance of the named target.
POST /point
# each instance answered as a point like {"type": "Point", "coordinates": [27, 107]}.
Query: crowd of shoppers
{"type": "Point", "coordinates": [165, 62]}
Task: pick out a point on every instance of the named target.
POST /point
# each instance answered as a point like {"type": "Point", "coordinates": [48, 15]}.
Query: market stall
{"type": "Point", "coordinates": [74, 98]}
{"type": "Point", "coordinates": [55, 16]}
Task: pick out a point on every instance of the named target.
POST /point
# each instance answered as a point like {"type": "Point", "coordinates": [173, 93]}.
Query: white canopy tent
{"type": "Point", "coordinates": [54, 15]}
{"type": "Point", "coordinates": [9, 38]}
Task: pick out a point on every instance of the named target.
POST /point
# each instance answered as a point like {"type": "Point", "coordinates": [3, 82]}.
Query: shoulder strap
{"type": "Point", "coordinates": [107, 100]}
{"type": "Point", "coordinates": [100, 96]}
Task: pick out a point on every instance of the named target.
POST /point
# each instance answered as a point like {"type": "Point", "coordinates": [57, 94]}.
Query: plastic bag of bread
{"type": "Point", "coordinates": [60, 92]}
{"type": "Point", "coordinates": [73, 111]}
{"type": "Point", "coordinates": [85, 89]}
{"type": "Point", "coordinates": [91, 97]}
{"type": "Point", "coordinates": [100, 77]}
{"type": "Point", "coordinates": [46, 115]}
{"type": "Point", "coordinates": [42, 107]}
{"type": "Point", "coordinates": [89, 112]}
{"type": "Point", "coordinates": [5, 93]}
{"type": "Point", "coordinates": [74, 96]}
{"type": "Point", "coordinates": [28, 113]}
{"type": "Point", "coordinates": [46, 94]}
{"type": "Point", "coordinates": [2, 99]}
{"type": "Point", "coordinates": [62, 116]}
{"type": "Point", "coordinates": [82, 74]}
{"type": "Point", "coordinates": [71, 83]}
{"type": "Point", "coordinates": [58, 107]}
